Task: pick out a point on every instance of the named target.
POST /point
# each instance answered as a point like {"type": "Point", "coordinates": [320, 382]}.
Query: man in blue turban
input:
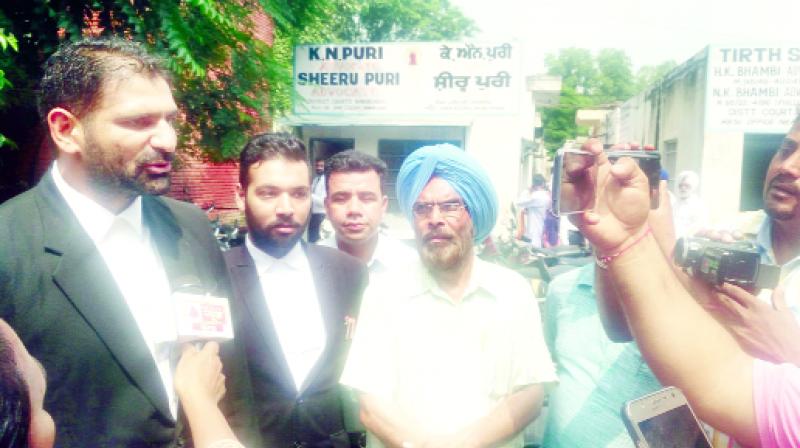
{"type": "Point", "coordinates": [461, 171]}
{"type": "Point", "coordinates": [449, 351]}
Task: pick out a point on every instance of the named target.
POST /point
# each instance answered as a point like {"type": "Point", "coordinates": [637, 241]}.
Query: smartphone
{"type": "Point", "coordinates": [663, 419]}
{"type": "Point", "coordinates": [575, 172]}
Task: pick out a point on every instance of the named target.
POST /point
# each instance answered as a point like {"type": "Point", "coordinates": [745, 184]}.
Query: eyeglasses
{"type": "Point", "coordinates": [450, 209]}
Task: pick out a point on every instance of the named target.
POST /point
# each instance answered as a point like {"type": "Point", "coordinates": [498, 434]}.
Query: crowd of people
{"type": "Point", "coordinates": [418, 346]}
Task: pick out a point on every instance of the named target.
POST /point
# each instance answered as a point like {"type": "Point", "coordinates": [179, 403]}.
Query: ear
{"type": "Point", "coordinates": [384, 203]}
{"type": "Point", "coordinates": [240, 193]}
{"type": "Point", "coordinates": [65, 130]}
{"type": "Point", "coordinates": [327, 204]}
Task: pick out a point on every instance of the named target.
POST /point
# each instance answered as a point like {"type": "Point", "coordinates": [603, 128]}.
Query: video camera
{"type": "Point", "coordinates": [716, 262]}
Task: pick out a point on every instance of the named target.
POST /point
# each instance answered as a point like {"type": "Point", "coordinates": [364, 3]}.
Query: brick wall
{"type": "Point", "coordinates": [207, 183]}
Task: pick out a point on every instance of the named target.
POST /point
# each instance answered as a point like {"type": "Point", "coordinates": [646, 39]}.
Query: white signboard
{"type": "Point", "coordinates": [753, 89]}
{"type": "Point", "coordinates": [423, 78]}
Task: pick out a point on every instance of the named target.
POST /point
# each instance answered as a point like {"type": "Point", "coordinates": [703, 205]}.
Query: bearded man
{"type": "Point", "coordinates": [91, 255]}
{"type": "Point", "coordinates": [301, 299]}
{"type": "Point", "coordinates": [449, 352]}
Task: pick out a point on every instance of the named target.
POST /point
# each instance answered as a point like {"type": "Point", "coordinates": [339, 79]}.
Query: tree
{"type": "Point", "coordinates": [615, 80]}
{"type": "Point", "coordinates": [405, 20]}
{"type": "Point", "coordinates": [227, 79]}
{"type": "Point", "coordinates": [576, 68]}
{"type": "Point", "coordinates": [591, 81]}
{"type": "Point", "coordinates": [7, 43]}
{"type": "Point", "coordinates": [648, 75]}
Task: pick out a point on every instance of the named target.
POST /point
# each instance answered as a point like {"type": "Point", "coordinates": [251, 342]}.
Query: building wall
{"type": "Point", "coordinates": [672, 115]}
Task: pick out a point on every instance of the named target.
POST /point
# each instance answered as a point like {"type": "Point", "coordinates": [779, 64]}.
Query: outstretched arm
{"type": "Point", "coordinates": [681, 342]}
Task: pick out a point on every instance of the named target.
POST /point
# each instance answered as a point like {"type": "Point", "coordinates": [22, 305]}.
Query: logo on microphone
{"type": "Point", "coordinates": [202, 317]}
{"type": "Point", "coordinates": [207, 317]}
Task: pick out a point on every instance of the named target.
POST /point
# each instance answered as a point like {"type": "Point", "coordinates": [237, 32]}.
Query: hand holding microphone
{"type": "Point", "coordinates": [198, 380]}
{"type": "Point", "coordinates": [198, 376]}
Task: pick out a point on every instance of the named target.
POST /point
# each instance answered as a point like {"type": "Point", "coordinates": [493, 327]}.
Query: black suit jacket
{"type": "Point", "coordinates": [311, 417]}
{"type": "Point", "coordinates": [57, 293]}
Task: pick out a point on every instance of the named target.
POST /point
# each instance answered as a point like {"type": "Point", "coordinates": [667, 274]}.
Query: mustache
{"type": "Point", "coordinates": [784, 182]}
{"type": "Point", "coordinates": [437, 234]}
{"type": "Point", "coordinates": [156, 158]}
{"type": "Point", "coordinates": [284, 222]}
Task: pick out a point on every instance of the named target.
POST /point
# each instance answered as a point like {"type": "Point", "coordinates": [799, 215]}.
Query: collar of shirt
{"type": "Point", "coordinates": [764, 242]}
{"type": "Point", "coordinates": [480, 280]}
{"type": "Point", "coordinates": [389, 253]}
{"type": "Point", "coordinates": [95, 219]}
{"type": "Point", "coordinates": [294, 259]}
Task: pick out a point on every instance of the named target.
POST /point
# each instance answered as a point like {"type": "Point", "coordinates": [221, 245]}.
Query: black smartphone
{"type": "Point", "coordinates": [663, 419]}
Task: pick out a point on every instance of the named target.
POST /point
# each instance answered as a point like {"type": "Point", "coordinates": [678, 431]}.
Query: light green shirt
{"type": "Point", "coordinates": [596, 376]}
{"type": "Point", "coordinates": [446, 364]}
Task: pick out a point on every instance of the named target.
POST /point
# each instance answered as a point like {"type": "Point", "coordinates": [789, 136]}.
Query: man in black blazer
{"type": "Point", "coordinates": [97, 318]}
{"type": "Point", "coordinates": [301, 299]}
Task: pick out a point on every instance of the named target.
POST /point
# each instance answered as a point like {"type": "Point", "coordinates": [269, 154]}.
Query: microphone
{"type": "Point", "coordinates": [199, 316]}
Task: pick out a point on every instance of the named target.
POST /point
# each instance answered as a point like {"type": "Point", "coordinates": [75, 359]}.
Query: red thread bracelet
{"type": "Point", "coordinates": [606, 259]}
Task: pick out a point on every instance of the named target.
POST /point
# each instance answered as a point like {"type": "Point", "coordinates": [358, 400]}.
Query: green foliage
{"type": "Point", "coordinates": [7, 43]}
{"type": "Point", "coordinates": [228, 82]}
{"type": "Point", "coordinates": [650, 74]}
{"type": "Point", "coordinates": [591, 81]}
{"type": "Point", "coordinates": [406, 20]}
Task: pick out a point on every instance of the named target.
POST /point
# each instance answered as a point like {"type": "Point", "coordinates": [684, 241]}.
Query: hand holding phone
{"type": "Point", "coordinates": [575, 177]}
{"type": "Point", "coordinates": [663, 419]}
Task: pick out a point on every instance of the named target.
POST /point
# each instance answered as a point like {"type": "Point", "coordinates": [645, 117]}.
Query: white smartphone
{"type": "Point", "coordinates": [663, 419]}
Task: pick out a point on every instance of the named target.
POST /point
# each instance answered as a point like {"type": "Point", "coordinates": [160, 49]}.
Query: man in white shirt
{"type": "Point", "coordinates": [355, 206]}
{"type": "Point", "coordinates": [533, 209]}
{"type": "Point", "coordinates": [87, 285]}
{"type": "Point", "coordinates": [317, 201]}
{"type": "Point", "coordinates": [449, 352]}
{"type": "Point", "coordinates": [301, 299]}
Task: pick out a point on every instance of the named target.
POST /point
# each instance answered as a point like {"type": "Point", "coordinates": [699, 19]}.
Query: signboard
{"type": "Point", "coordinates": [421, 78]}
{"type": "Point", "coordinates": [753, 89]}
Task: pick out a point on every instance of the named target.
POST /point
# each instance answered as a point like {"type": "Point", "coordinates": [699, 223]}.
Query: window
{"type": "Point", "coordinates": [669, 159]}
{"type": "Point", "coordinates": [322, 148]}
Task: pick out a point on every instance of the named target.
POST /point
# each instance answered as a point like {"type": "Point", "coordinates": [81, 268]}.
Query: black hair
{"type": "Point", "coordinates": [539, 180]}
{"type": "Point", "coordinates": [76, 73]}
{"type": "Point", "coordinates": [15, 401]}
{"type": "Point", "coordinates": [269, 146]}
{"type": "Point", "coordinates": [354, 161]}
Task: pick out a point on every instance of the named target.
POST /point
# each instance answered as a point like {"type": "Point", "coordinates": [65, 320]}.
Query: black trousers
{"type": "Point", "coordinates": [313, 226]}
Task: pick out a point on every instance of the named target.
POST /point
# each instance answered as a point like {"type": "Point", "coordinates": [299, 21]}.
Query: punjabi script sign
{"type": "Point", "coordinates": [407, 79]}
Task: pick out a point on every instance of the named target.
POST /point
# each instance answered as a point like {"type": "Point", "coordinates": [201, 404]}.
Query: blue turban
{"type": "Point", "coordinates": [461, 171]}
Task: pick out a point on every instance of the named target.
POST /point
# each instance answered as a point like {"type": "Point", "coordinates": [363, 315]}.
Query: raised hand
{"type": "Point", "coordinates": [198, 375]}
{"type": "Point", "coordinates": [622, 203]}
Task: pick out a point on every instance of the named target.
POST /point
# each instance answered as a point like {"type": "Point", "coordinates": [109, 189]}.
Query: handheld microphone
{"type": "Point", "coordinates": [198, 315]}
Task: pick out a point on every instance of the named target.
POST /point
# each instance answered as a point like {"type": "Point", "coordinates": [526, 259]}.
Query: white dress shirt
{"type": "Point", "coordinates": [128, 251]}
{"type": "Point", "coordinates": [318, 193]}
{"type": "Point", "coordinates": [389, 254]}
{"type": "Point", "coordinates": [293, 305]}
